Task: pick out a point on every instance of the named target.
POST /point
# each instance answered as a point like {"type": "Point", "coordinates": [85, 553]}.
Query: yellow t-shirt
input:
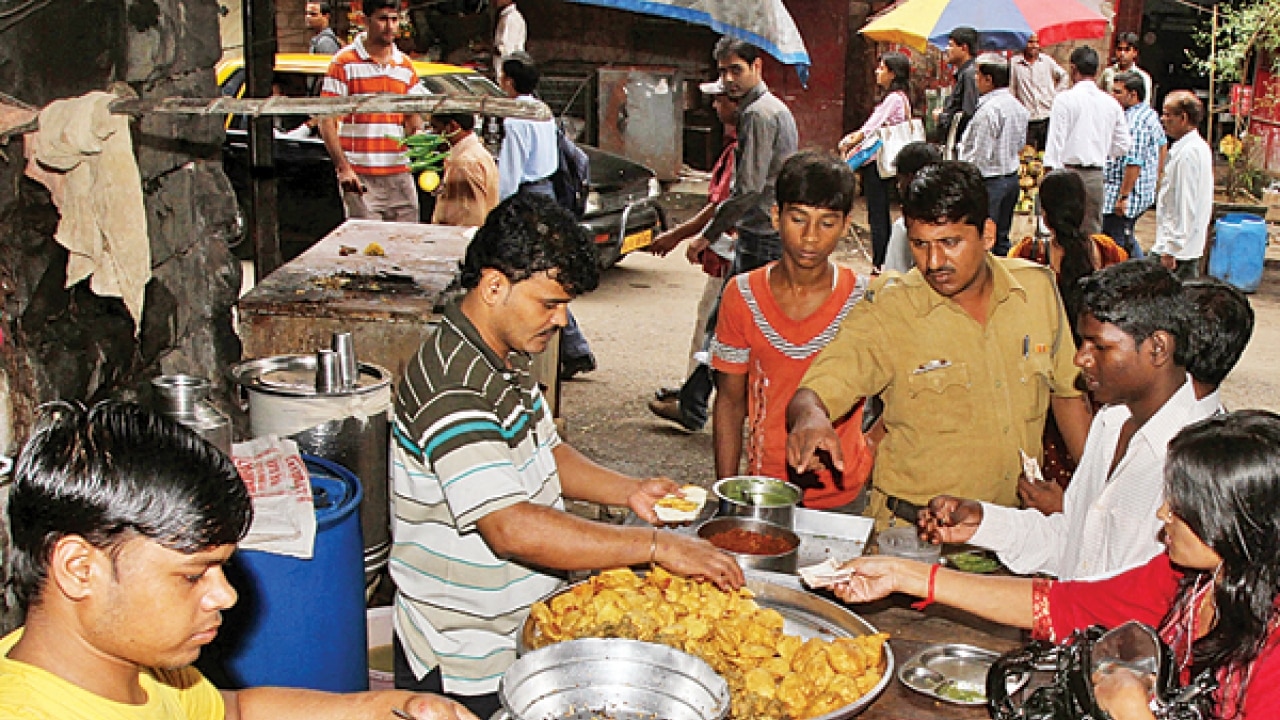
{"type": "Point", "coordinates": [29, 692]}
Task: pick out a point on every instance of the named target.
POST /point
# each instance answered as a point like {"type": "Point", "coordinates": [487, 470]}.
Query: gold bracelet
{"type": "Point", "coordinates": [653, 546]}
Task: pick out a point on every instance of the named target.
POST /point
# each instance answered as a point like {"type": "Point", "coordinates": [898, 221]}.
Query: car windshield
{"type": "Point", "coordinates": [460, 84]}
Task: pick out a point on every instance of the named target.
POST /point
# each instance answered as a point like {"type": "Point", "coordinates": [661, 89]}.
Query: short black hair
{"type": "Point", "coordinates": [115, 472]}
{"type": "Point", "coordinates": [1085, 60]}
{"type": "Point", "coordinates": [728, 45]}
{"type": "Point", "coordinates": [914, 156]}
{"type": "Point", "coordinates": [369, 7]}
{"type": "Point", "coordinates": [965, 36]}
{"type": "Point", "coordinates": [947, 192]}
{"type": "Point", "coordinates": [1132, 82]}
{"type": "Point", "coordinates": [529, 233]}
{"type": "Point", "coordinates": [1140, 297]}
{"type": "Point", "coordinates": [1221, 326]}
{"type": "Point", "coordinates": [323, 8]}
{"type": "Point", "coordinates": [523, 71]}
{"type": "Point", "coordinates": [817, 179]}
{"type": "Point", "coordinates": [466, 121]}
{"type": "Point", "coordinates": [1127, 38]}
{"type": "Point", "coordinates": [996, 67]}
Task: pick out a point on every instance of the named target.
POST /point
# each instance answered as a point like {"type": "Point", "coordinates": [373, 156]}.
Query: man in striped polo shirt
{"type": "Point", "coordinates": [373, 172]}
{"type": "Point", "coordinates": [479, 472]}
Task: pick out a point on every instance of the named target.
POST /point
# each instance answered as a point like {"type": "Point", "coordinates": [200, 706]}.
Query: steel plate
{"type": "Point", "coordinates": [964, 667]}
{"type": "Point", "coordinates": [804, 614]}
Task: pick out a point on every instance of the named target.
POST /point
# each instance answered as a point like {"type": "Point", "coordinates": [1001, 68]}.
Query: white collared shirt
{"type": "Point", "coordinates": [1108, 520]}
{"type": "Point", "coordinates": [509, 36]}
{"type": "Point", "coordinates": [1087, 127]}
{"type": "Point", "coordinates": [1185, 204]}
{"type": "Point", "coordinates": [996, 134]}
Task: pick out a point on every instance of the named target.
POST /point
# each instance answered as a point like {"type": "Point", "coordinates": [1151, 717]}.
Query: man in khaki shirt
{"type": "Point", "coordinates": [967, 350]}
{"type": "Point", "coordinates": [469, 186]}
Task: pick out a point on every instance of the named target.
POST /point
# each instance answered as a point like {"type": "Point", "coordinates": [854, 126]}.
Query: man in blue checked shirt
{"type": "Point", "coordinates": [1129, 182]}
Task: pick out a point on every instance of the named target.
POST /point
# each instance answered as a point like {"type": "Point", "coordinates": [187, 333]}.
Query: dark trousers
{"type": "Point", "coordinates": [1120, 229]}
{"type": "Point", "coordinates": [752, 251]}
{"type": "Point", "coordinates": [877, 192]}
{"type": "Point", "coordinates": [1037, 133]}
{"type": "Point", "coordinates": [1002, 197]}
{"type": "Point", "coordinates": [484, 706]}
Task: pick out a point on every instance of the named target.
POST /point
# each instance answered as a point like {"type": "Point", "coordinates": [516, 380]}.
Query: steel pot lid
{"type": "Point", "coordinates": [295, 376]}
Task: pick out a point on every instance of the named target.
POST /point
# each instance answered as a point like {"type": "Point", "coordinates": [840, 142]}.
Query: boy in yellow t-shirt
{"type": "Point", "coordinates": [122, 521]}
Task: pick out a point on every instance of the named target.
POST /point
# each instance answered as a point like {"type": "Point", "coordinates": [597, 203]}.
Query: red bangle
{"type": "Point", "coordinates": [928, 600]}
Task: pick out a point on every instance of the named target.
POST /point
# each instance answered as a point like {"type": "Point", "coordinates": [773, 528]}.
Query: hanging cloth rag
{"type": "Point", "coordinates": [84, 155]}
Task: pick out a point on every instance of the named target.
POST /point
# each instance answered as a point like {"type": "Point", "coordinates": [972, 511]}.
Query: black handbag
{"type": "Point", "coordinates": [1069, 695]}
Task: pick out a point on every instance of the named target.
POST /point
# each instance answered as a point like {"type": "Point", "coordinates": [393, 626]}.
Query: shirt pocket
{"type": "Point", "coordinates": [941, 399]}
{"type": "Point", "coordinates": [1037, 376]}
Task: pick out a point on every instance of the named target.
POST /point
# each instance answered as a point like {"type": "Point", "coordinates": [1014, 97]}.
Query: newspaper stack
{"type": "Point", "coordinates": [284, 517]}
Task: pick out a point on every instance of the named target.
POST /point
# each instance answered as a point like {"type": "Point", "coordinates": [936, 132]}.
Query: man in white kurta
{"type": "Point", "coordinates": [1185, 203]}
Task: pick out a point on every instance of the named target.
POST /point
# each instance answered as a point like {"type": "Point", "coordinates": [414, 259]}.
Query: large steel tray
{"type": "Point", "coordinates": [804, 614]}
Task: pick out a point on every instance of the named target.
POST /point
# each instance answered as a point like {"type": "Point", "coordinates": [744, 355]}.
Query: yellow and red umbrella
{"type": "Point", "coordinates": [1001, 24]}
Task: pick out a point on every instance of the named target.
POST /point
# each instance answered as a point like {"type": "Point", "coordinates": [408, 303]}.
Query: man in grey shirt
{"type": "Point", "coordinates": [767, 136]}
{"type": "Point", "coordinates": [324, 42]}
{"type": "Point", "coordinates": [993, 140]}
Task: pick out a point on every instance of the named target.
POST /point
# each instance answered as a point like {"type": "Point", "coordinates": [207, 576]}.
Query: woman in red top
{"type": "Point", "coordinates": [1212, 596]}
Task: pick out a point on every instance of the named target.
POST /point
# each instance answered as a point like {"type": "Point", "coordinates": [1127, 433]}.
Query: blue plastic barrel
{"type": "Point", "coordinates": [1239, 250]}
{"type": "Point", "coordinates": [300, 623]}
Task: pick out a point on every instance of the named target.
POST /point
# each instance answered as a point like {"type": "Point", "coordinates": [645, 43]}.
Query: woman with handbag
{"type": "Point", "coordinates": [1072, 255]}
{"type": "Point", "coordinates": [893, 77]}
{"type": "Point", "coordinates": [1212, 594]}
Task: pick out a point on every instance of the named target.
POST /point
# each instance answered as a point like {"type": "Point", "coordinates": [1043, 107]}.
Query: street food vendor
{"type": "Point", "coordinates": [968, 351]}
{"type": "Point", "coordinates": [1212, 594]}
{"type": "Point", "coordinates": [122, 521]}
{"type": "Point", "coordinates": [479, 471]}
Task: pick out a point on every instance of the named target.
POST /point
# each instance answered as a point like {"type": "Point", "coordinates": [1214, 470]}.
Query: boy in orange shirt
{"type": "Point", "coordinates": [772, 323]}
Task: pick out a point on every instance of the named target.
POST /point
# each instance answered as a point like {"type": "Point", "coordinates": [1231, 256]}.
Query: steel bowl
{"type": "Point", "coordinates": [614, 678]}
{"type": "Point", "coordinates": [784, 562]}
{"type": "Point", "coordinates": [759, 497]}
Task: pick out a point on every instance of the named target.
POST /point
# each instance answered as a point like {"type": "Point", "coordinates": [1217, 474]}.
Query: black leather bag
{"type": "Point", "coordinates": [1069, 695]}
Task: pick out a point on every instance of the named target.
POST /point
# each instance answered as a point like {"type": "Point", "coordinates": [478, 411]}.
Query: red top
{"type": "Point", "coordinates": [753, 336]}
{"type": "Point", "coordinates": [1145, 594]}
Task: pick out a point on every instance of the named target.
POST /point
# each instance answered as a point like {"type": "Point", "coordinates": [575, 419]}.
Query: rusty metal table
{"type": "Point", "coordinates": [389, 302]}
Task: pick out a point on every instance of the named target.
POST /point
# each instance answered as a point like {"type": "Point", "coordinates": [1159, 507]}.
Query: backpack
{"type": "Point", "coordinates": [572, 177]}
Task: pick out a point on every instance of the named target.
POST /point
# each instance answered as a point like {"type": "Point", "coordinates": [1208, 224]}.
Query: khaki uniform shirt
{"type": "Point", "coordinates": [469, 188]}
{"type": "Point", "coordinates": [960, 399]}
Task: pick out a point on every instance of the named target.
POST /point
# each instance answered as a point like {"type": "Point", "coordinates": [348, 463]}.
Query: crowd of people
{"type": "Point", "coordinates": [909, 396]}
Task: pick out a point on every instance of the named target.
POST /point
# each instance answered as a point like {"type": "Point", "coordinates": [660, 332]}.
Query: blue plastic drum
{"type": "Point", "coordinates": [1239, 250]}
{"type": "Point", "coordinates": [300, 623]}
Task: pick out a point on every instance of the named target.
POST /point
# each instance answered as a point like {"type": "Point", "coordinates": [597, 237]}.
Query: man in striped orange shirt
{"type": "Point", "coordinates": [373, 171]}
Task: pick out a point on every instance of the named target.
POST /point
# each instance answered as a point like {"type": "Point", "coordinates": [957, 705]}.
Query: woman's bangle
{"type": "Point", "coordinates": [928, 600]}
{"type": "Point", "coordinates": [653, 546]}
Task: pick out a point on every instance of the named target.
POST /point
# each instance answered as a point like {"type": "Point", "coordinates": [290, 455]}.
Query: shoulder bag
{"type": "Point", "coordinates": [895, 137]}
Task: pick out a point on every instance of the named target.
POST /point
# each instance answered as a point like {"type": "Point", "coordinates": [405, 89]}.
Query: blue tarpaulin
{"type": "Point", "coordinates": [763, 23]}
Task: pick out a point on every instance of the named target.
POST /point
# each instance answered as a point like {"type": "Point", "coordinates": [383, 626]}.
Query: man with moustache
{"type": "Point", "coordinates": [968, 351]}
{"type": "Point", "coordinates": [480, 473]}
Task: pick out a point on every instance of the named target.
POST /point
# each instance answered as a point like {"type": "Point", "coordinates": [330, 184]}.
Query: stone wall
{"type": "Point", "coordinates": [67, 343]}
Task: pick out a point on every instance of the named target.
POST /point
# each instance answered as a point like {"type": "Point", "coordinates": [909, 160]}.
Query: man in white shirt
{"type": "Point", "coordinates": [993, 140]}
{"type": "Point", "coordinates": [1127, 61]}
{"type": "Point", "coordinates": [1134, 346]}
{"type": "Point", "coordinates": [1036, 80]}
{"type": "Point", "coordinates": [1185, 203]}
{"type": "Point", "coordinates": [509, 33]}
{"type": "Point", "coordinates": [1086, 128]}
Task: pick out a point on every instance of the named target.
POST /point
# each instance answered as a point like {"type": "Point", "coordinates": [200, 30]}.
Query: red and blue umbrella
{"type": "Point", "coordinates": [1001, 24]}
